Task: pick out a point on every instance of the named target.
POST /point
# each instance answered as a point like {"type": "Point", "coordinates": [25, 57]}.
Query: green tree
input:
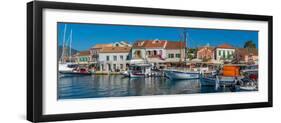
{"type": "Point", "coordinates": [249, 44]}
{"type": "Point", "coordinates": [191, 53]}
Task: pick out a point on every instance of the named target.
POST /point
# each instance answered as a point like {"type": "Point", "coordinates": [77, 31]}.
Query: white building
{"type": "Point", "coordinates": [159, 52]}
{"type": "Point", "coordinates": [175, 51]}
{"type": "Point", "coordinates": [224, 52]}
{"type": "Point", "coordinates": [113, 58]}
{"type": "Point", "coordinates": [149, 49]}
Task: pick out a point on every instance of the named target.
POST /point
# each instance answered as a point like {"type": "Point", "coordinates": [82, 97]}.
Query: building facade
{"type": "Point", "coordinates": [96, 49]}
{"type": "Point", "coordinates": [149, 49]}
{"type": "Point", "coordinates": [113, 59]}
{"type": "Point", "coordinates": [224, 52]}
{"type": "Point", "coordinates": [205, 53]}
{"type": "Point", "coordinates": [247, 55]}
{"type": "Point", "coordinates": [159, 52]}
{"type": "Point", "coordinates": [175, 52]}
{"type": "Point", "coordinates": [83, 57]}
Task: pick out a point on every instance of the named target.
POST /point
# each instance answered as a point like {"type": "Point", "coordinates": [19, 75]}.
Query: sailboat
{"type": "Point", "coordinates": [69, 67]}
{"type": "Point", "coordinates": [179, 73]}
{"type": "Point", "coordinates": [65, 67]}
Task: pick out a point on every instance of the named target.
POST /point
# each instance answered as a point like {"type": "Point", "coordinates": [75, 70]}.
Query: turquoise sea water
{"type": "Point", "coordinates": [96, 86]}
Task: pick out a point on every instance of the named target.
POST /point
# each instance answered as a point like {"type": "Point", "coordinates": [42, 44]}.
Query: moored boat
{"type": "Point", "coordinates": [229, 75]}
{"type": "Point", "coordinates": [248, 88]}
{"type": "Point", "coordinates": [125, 73]}
{"type": "Point", "coordinates": [250, 71]}
{"type": "Point", "coordinates": [76, 71]}
{"type": "Point", "coordinates": [66, 67]}
{"type": "Point", "coordinates": [222, 80]}
{"type": "Point", "coordinates": [139, 70]}
{"type": "Point", "coordinates": [249, 85]}
{"type": "Point", "coordinates": [177, 74]}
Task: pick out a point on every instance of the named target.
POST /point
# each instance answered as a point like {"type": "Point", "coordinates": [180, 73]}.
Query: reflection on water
{"type": "Point", "coordinates": [94, 86]}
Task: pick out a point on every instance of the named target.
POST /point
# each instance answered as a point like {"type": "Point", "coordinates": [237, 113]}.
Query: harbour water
{"type": "Point", "coordinates": [96, 86]}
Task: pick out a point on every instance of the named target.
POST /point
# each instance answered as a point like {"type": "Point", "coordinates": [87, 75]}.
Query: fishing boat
{"type": "Point", "coordinates": [230, 74]}
{"type": "Point", "coordinates": [179, 75]}
{"type": "Point", "coordinates": [248, 88]}
{"type": "Point", "coordinates": [139, 70]}
{"type": "Point", "coordinates": [222, 80]}
{"type": "Point", "coordinates": [248, 85]}
{"type": "Point", "coordinates": [250, 71]}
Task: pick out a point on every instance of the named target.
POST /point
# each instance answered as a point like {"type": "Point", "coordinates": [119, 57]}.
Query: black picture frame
{"type": "Point", "coordinates": [35, 69]}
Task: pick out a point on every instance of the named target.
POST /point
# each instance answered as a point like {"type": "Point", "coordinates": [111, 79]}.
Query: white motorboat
{"type": "Point", "coordinates": [177, 74]}
{"type": "Point", "coordinates": [125, 73]}
{"type": "Point", "coordinates": [140, 70]}
{"type": "Point", "coordinates": [249, 85]}
{"type": "Point", "coordinates": [250, 69]}
{"type": "Point", "coordinates": [248, 88]}
{"type": "Point", "coordinates": [66, 67]}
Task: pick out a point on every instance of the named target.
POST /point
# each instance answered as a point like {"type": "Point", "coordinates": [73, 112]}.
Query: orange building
{"type": "Point", "coordinates": [205, 52]}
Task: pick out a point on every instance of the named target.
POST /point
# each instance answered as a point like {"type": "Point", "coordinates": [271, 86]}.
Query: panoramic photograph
{"type": "Point", "coordinates": [105, 60]}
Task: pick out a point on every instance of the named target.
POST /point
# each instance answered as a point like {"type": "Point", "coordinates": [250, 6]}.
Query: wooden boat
{"type": "Point", "coordinates": [178, 75]}
{"type": "Point", "coordinates": [222, 80]}
{"type": "Point", "coordinates": [230, 74]}
{"type": "Point", "coordinates": [140, 70]}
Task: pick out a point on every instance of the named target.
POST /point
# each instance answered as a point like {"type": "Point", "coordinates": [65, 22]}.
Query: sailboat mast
{"type": "Point", "coordinates": [70, 41]}
{"type": "Point", "coordinates": [185, 45]}
{"type": "Point", "coordinates": [181, 47]}
{"type": "Point", "coordinates": [63, 44]}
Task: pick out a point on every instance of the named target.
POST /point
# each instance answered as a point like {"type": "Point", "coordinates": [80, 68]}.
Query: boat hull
{"type": "Point", "coordinates": [222, 80]}
{"type": "Point", "coordinates": [132, 75]}
{"type": "Point", "coordinates": [177, 75]}
{"type": "Point", "coordinates": [248, 88]}
{"type": "Point", "coordinates": [125, 74]}
{"type": "Point", "coordinates": [74, 73]}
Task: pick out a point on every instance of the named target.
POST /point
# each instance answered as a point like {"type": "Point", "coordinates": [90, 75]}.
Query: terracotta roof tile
{"type": "Point", "coordinates": [84, 53]}
{"type": "Point", "coordinates": [150, 44]}
{"type": "Point", "coordinates": [102, 45]}
{"type": "Point", "coordinates": [226, 46]}
{"type": "Point", "coordinates": [115, 50]}
{"type": "Point", "coordinates": [158, 44]}
{"type": "Point", "coordinates": [175, 45]}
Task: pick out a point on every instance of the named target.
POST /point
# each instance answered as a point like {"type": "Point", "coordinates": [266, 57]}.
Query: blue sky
{"type": "Point", "coordinates": [87, 35]}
